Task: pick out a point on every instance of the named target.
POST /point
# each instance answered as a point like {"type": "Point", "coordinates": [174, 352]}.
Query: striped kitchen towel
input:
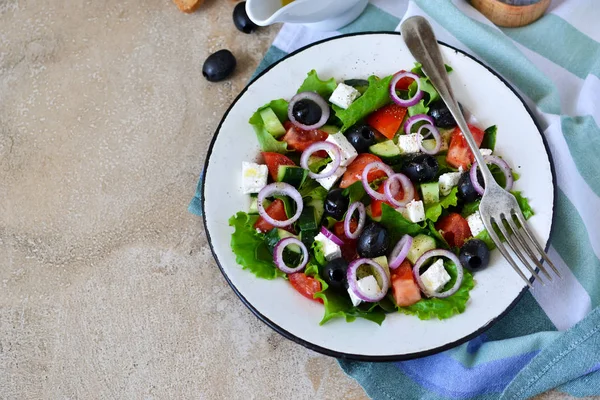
{"type": "Point", "coordinates": [551, 339]}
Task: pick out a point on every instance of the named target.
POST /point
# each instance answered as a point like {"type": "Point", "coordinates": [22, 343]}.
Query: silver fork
{"type": "Point", "coordinates": [498, 207]}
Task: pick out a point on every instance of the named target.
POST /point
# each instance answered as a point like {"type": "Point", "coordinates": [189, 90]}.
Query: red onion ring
{"type": "Point", "coordinates": [377, 165]}
{"type": "Point", "coordinates": [407, 188]}
{"type": "Point", "coordinates": [278, 255]}
{"type": "Point", "coordinates": [398, 255]}
{"type": "Point", "coordinates": [353, 282]}
{"type": "Point", "coordinates": [282, 189]}
{"type": "Point", "coordinates": [362, 218]}
{"type": "Point", "coordinates": [436, 135]}
{"type": "Point", "coordinates": [396, 99]}
{"type": "Point", "coordinates": [504, 167]}
{"type": "Point", "coordinates": [331, 149]}
{"type": "Point", "coordinates": [317, 99]}
{"type": "Point", "coordinates": [411, 121]}
{"type": "Point", "coordinates": [329, 235]}
{"type": "Point", "coordinates": [438, 253]}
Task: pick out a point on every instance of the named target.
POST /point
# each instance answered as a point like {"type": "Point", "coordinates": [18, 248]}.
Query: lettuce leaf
{"type": "Point", "coordinates": [419, 108]}
{"type": "Point", "coordinates": [470, 208]}
{"type": "Point", "coordinates": [428, 308]}
{"type": "Point", "coordinates": [418, 69]}
{"type": "Point", "coordinates": [250, 249]}
{"type": "Point", "coordinates": [313, 83]}
{"type": "Point", "coordinates": [437, 235]}
{"type": "Point", "coordinates": [375, 97]}
{"type": "Point", "coordinates": [443, 165]}
{"type": "Point", "coordinates": [434, 211]}
{"type": "Point", "coordinates": [523, 204]}
{"type": "Point", "coordinates": [396, 225]}
{"type": "Point", "coordinates": [489, 138]}
{"type": "Point", "coordinates": [265, 140]}
{"type": "Point", "coordinates": [355, 192]}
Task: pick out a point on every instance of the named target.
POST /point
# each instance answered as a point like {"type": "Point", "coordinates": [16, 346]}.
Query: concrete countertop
{"type": "Point", "coordinates": [108, 286]}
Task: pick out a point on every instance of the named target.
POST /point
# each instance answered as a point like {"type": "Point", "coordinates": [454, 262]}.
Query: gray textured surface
{"type": "Point", "coordinates": [108, 288]}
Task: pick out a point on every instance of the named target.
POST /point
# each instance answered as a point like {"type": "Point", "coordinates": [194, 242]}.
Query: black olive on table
{"type": "Point", "coordinates": [219, 65]}
{"type": "Point", "coordinates": [361, 137]}
{"type": "Point", "coordinates": [334, 274]}
{"type": "Point", "coordinates": [241, 20]}
{"type": "Point", "coordinates": [474, 255]}
{"type": "Point", "coordinates": [307, 112]}
{"type": "Point", "coordinates": [336, 203]}
{"type": "Point", "coordinates": [466, 191]}
{"type": "Point", "coordinates": [441, 115]}
{"type": "Point", "coordinates": [373, 241]}
{"type": "Point", "coordinates": [421, 168]}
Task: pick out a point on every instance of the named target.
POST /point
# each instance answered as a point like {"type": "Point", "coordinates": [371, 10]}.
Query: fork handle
{"type": "Point", "coordinates": [421, 42]}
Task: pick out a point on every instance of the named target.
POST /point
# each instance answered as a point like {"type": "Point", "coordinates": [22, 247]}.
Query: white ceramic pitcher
{"type": "Point", "coordinates": [322, 15]}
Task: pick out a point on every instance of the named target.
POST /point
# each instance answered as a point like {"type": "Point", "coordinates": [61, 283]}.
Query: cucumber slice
{"type": "Point", "coordinates": [383, 261]}
{"type": "Point", "coordinates": [420, 244]}
{"type": "Point", "coordinates": [430, 192]}
{"type": "Point", "coordinates": [291, 174]}
{"type": "Point", "coordinates": [272, 123]}
{"type": "Point", "coordinates": [308, 237]}
{"type": "Point", "coordinates": [308, 220]}
{"type": "Point", "coordinates": [359, 84]}
{"type": "Point", "coordinates": [388, 151]}
{"type": "Point", "coordinates": [329, 129]}
{"type": "Point", "coordinates": [275, 235]}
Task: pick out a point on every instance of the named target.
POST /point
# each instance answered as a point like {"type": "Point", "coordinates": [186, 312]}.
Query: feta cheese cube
{"type": "Point", "coordinates": [328, 182]}
{"type": "Point", "coordinates": [436, 277]}
{"type": "Point", "coordinates": [343, 95]}
{"type": "Point", "coordinates": [414, 211]}
{"type": "Point", "coordinates": [475, 223]}
{"type": "Point", "coordinates": [254, 177]}
{"type": "Point", "coordinates": [347, 151]}
{"type": "Point", "coordinates": [330, 249]}
{"type": "Point", "coordinates": [408, 144]}
{"type": "Point", "coordinates": [485, 152]}
{"type": "Point", "coordinates": [368, 285]}
{"type": "Point", "coordinates": [448, 181]}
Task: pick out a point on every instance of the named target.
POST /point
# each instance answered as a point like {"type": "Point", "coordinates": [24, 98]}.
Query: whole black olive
{"type": "Point", "coordinates": [441, 115]}
{"type": "Point", "coordinates": [336, 203]}
{"type": "Point", "coordinates": [307, 112]}
{"type": "Point", "coordinates": [373, 241]}
{"type": "Point", "coordinates": [361, 137]}
{"type": "Point", "coordinates": [241, 19]}
{"type": "Point", "coordinates": [466, 191]}
{"type": "Point", "coordinates": [334, 274]}
{"type": "Point", "coordinates": [219, 65]}
{"type": "Point", "coordinates": [474, 255]}
{"type": "Point", "coordinates": [422, 168]}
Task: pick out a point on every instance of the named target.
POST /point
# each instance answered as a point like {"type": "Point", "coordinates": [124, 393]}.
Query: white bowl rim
{"type": "Point", "coordinates": [361, 357]}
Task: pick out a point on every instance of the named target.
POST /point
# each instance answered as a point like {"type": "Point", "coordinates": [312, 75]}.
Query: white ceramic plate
{"type": "Point", "coordinates": [497, 288]}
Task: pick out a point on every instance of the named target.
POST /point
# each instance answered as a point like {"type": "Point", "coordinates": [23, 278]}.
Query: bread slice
{"type": "Point", "coordinates": [188, 6]}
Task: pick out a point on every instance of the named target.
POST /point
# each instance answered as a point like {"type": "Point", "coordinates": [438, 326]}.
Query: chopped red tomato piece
{"type": "Point", "coordinates": [275, 210]}
{"type": "Point", "coordinates": [376, 204]}
{"type": "Point", "coordinates": [349, 247]}
{"type": "Point", "coordinates": [273, 161]}
{"type": "Point", "coordinates": [387, 119]}
{"type": "Point", "coordinates": [404, 288]}
{"type": "Point", "coordinates": [355, 169]}
{"type": "Point", "coordinates": [404, 83]}
{"type": "Point", "coordinates": [299, 139]}
{"type": "Point", "coordinates": [459, 153]}
{"type": "Point", "coordinates": [454, 228]}
{"type": "Point", "coordinates": [307, 286]}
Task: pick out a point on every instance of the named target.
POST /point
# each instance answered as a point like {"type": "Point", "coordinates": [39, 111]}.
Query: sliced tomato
{"type": "Point", "coordinates": [299, 139]}
{"type": "Point", "coordinates": [275, 210]}
{"type": "Point", "coordinates": [274, 160]}
{"type": "Point", "coordinates": [454, 228]}
{"type": "Point", "coordinates": [387, 119]}
{"type": "Point", "coordinates": [404, 83]}
{"type": "Point", "coordinates": [404, 288]}
{"type": "Point", "coordinates": [349, 247]}
{"type": "Point", "coordinates": [355, 169]}
{"type": "Point", "coordinates": [459, 153]}
{"type": "Point", "coordinates": [307, 286]}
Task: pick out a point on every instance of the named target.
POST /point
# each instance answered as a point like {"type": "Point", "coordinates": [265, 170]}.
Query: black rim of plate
{"type": "Point", "coordinates": [361, 357]}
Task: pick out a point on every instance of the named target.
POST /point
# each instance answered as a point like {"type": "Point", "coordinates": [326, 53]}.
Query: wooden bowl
{"type": "Point", "coordinates": [511, 16]}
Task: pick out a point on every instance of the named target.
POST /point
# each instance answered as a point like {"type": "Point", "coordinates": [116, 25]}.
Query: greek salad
{"type": "Point", "coordinates": [365, 198]}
